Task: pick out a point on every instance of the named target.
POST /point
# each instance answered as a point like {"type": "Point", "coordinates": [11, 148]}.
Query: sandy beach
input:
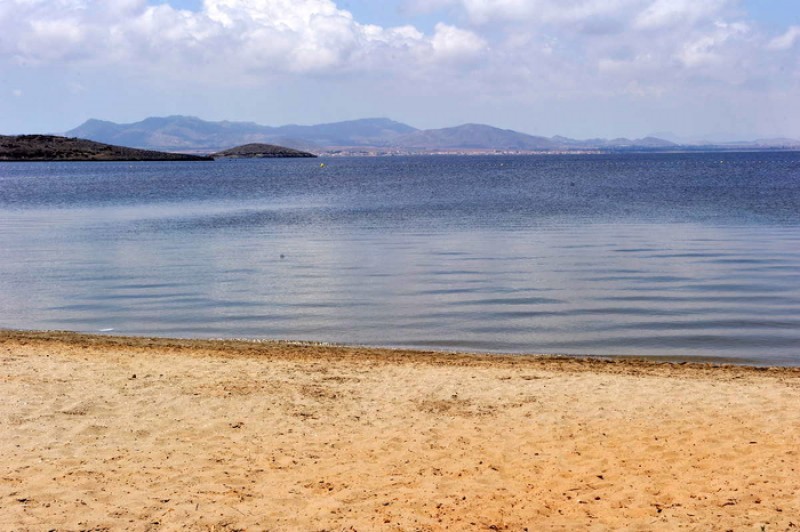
{"type": "Point", "coordinates": [105, 433]}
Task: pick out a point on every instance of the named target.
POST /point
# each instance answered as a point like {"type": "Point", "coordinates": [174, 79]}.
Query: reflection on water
{"type": "Point", "coordinates": [384, 259]}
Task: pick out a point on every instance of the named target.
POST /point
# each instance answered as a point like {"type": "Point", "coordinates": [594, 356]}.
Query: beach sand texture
{"type": "Point", "coordinates": [136, 434]}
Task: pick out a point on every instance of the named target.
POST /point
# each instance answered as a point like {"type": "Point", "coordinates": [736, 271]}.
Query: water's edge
{"type": "Point", "coordinates": [223, 342]}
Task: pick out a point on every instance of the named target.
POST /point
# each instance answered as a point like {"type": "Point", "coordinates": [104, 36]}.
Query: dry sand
{"type": "Point", "coordinates": [136, 434]}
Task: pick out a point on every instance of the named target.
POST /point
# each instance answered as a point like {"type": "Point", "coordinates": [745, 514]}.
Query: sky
{"type": "Point", "coordinates": [683, 69]}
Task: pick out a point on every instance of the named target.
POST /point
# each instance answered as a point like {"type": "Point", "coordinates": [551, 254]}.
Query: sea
{"type": "Point", "coordinates": [685, 256]}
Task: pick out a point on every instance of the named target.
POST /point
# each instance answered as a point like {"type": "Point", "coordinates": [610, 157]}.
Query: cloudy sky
{"type": "Point", "coordinates": [725, 69]}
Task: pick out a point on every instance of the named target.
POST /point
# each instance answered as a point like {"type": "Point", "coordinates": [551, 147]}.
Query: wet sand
{"type": "Point", "coordinates": [144, 434]}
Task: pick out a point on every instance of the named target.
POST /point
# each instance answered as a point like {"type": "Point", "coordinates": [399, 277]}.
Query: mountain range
{"type": "Point", "coordinates": [371, 135]}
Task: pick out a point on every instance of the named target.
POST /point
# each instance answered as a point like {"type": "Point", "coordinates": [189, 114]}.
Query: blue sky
{"type": "Point", "coordinates": [393, 12]}
{"type": "Point", "coordinates": [695, 68]}
{"type": "Point", "coordinates": [776, 13]}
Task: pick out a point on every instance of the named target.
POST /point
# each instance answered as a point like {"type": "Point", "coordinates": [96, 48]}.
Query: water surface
{"type": "Point", "coordinates": [694, 255]}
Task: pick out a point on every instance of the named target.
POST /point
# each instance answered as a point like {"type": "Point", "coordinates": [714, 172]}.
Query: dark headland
{"type": "Point", "coordinates": [54, 148]}
{"type": "Point", "coordinates": [258, 151]}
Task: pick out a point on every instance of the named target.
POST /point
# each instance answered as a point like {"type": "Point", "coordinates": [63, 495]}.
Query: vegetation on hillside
{"type": "Point", "coordinates": [257, 151]}
{"type": "Point", "coordinates": [54, 148]}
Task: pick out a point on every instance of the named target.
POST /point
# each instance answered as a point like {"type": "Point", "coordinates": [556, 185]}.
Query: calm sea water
{"type": "Point", "coordinates": [692, 255]}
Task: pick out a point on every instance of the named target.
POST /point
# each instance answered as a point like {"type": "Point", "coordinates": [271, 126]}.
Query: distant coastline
{"type": "Point", "coordinates": [383, 136]}
{"type": "Point", "coordinates": [52, 148]}
{"type": "Point", "coordinates": [382, 152]}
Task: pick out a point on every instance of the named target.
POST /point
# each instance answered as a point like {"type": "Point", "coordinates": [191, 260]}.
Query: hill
{"type": "Point", "coordinates": [186, 133]}
{"type": "Point", "coordinates": [365, 132]}
{"type": "Point", "coordinates": [372, 136]}
{"type": "Point", "coordinates": [259, 151]}
{"type": "Point", "coordinates": [473, 136]}
{"type": "Point", "coordinates": [54, 148]}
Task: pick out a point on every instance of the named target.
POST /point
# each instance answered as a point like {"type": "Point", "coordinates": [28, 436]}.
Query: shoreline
{"type": "Point", "coordinates": [111, 432]}
{"type": "Point", "coordinates": [243, 342]}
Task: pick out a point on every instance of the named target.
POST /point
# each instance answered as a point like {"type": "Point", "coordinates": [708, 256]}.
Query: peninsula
{"type": "Point", "coordinates": [55, 148]}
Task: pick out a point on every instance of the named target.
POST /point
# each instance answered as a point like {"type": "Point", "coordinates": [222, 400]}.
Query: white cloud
{"type": "Point", "coordinates": [544, 11]}
{"type": "Point", "coordinates": [485, 53]}
{"type": "Point", "coordinates": [450, 42]}
{"type": "Point", "coordinates": [295, 36]}
{"type": "Point", "coordinates": [709, 48]}
{"type": "Point", "coordinates": [785, 41]}
{"type": "Point", "coordinates": [587, 16]}
{"type": "Point", "coordinates": [667, 13]}
{"type": "Point", "coordinates": [17, 93]}
{"type": "Point", "coordinates": [605, 46]}
{"type": "Point", "coordinates": [229, 39]}
{"type": "Point", "coordinates": [50, 39]}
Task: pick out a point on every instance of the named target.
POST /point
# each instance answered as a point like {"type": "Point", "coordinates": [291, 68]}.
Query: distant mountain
{"type": "Point", "coordinates": [618, 143]}
{"type": "Point", "coordinates": [186, 133]}
{"type": "Point", "coordinates": [260, 151]}
{"type": "Point", "coordinates": [365, 132]}
{"type": "Point", "coordinates": [53, 148]}
{"type": "Point", "coordinates": [369, 136]}
{"type": "Point", "coordinates": [723, 140]}
{"type": "Point", "coordinates": [473, 136]}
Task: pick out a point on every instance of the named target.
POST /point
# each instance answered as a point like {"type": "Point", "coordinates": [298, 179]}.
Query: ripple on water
{"type": "Point", "coordinates": [658, 255]}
